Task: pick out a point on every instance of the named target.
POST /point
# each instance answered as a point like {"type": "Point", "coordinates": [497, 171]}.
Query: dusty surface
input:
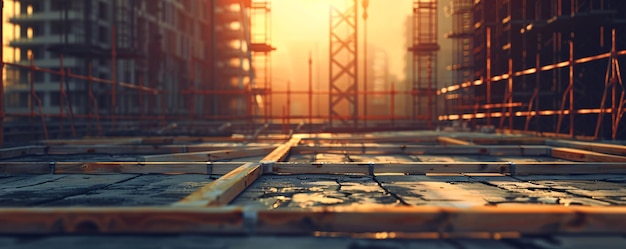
{"type": "Point", "coordinates": [225, 242]}
{"type": "Point", "coordinates": [303, 191]}
{"type": "Point", "coordinates": [97, 190]}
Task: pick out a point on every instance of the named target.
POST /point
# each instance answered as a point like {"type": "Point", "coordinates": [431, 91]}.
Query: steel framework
{"type": "Point", "coordinates": [343, 85]}
{"type": "Point", "coordinates": [260, 44]}
{"type": "Point", "coordinates": [536, 64]}
{"type": "Point", "coordinates": [460, 11]}
{"type": "Point", "coordinates": [424, 50]}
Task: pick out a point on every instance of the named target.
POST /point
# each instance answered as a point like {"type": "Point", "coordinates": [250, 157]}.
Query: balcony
{"type": "Point", "coordinates": [44, 16]}
{"type": "Point", "coordinates": [42, 40]}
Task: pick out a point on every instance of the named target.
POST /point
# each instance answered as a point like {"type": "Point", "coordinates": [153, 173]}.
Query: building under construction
{"type": "Point", "coordinates": [130, 122]}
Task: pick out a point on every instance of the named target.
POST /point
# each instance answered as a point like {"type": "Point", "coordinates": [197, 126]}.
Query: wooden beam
{"type": "Point", "coordinates": [577, 155]}
{"type": "Point", "coordinates": [22, 151]}
{"type": "Point", "coordinates": [513, 168]}
{"type": "Point", "coordinates": [221, 168]}
{"type": "Point", "coordinates": [207, 156]}
{"type": "Point", "coordinates": [523, 219]}
{"type": "Point", "coordinates": [92, 141]}
{"type": "Point", "coordinates": [504, 140]}
{"type": "Point", "coordinates": [38, 168]}
{"type": "Point", "coordinates": [145, 168]}
{"type": "Point", "coordinates": [494, 150]}
{"type": "Point", "coordinates": [452, 141]}
{"type": "Point", "coordinates": [337, 138]}
{"type": "Point", "coordinates": [223, 190]}
{"type": "Point", "coordinates": [282, 151]}
{"type": "Point", "coordinates": [16, 168]}
{"type": "Point", "coordinates": [614, 149]}
{"type": "Point", "coordinates": [144, 149]}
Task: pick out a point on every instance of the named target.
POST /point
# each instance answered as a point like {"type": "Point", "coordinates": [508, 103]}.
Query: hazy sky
{"type": "Point", "coordinates": [300, 26]}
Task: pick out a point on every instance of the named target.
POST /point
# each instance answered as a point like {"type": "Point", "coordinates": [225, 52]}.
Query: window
{"type": "Point", "coordinates": [103, 12]}
{"type": "Point", "coordinates": [17, 99]}
{"type": "Point", "coordinates": [103, 34]}
{"type": "Point", "coordinates": [55, 99]}
{"type": "Point", "coordinates": [59, 28]}
{"type": "Point", "coordinates": [58, 5]}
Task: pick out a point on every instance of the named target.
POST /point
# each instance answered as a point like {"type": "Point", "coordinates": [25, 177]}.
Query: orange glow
{"type": "Point", "coordinates": [521, 114]}
{"type": "Point", "coordinates": [302, 26]}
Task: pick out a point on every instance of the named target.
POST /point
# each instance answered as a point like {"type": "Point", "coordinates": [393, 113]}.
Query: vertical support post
{"type": "Point", "coordinates": [142, 101]}
{"type": "Point", "coordinates": [33, 96]}
{"type": "Point", "coordinates": [31, 100]}
{"type": "Point", "coordinates": [310, 92]}
{"type": "Point", "coordinates": [113, 77]}
{"type": "Point", "coordinates": [61, 97]}
{"type": "Point", "coordinates": [192, 83]}
{"type": "Point", "coordinates": [488, 76]}
{"type": "Point", "coordinates": [572, 63]}
{"type": "Point", "coordinates": [2, 111]}
{"type": "Point", "coordinates": [365, 4]}
{"type": "Point", "coordinates": [616, 78]}
{"type": "Point", "coordinates": [288, 103]}
{"type": "Point", "coordinates": [393, 105]}
{"type": "Point", "coordinates": [510, 82]}
{"type": "Point", "coordinates": [534, 100]}
{"type": "Point", "coordinates": [95, 111]}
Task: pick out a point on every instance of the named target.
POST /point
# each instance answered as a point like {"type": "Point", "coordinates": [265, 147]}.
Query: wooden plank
{"type": "Point", "coordinates": [570, 168]}
{"type": "Point", "coordinates": [523, 219]}
{"type": "Point", "coordinates": [225, 189]}
{"type": "Point", "coordinates": [503, 140]}
{"type": "Point", "coordinates": [207, 156]}
{"type": "Point", "coordinates": [577, 155]}
{"type": "Point", "coordinates": [21, 151]}
{"type": "Point", "coordinates": [92, 141]}
{"type": "Point", "coordinates": [521, 168]}
{"type": "Point", "coordinates": [452, 141]}
{"type": "Point", "coordinates": [397, 137]}
{"type": "Point", "coordinates": [143, 149]}
{"type": "Point", "coordinates": [16, 168]}
{"type": "Point", "coordinates": [614, 149]}
{"type": "Point", "coordinates": [496, 150]}
{"type": "Point", "coordinates": [282, 151]}
{"type": "Point", "coordinates": [144, 168]}
{"type": "Point", "coordinates": [221, 168]}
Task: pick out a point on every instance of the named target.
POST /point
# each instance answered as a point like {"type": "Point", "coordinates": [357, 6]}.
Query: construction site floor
{"type": "Point", "coordinates": [385, 190]}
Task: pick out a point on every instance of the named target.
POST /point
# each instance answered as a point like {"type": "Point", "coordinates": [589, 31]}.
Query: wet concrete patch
{"type": "Point", "coordinates": [305, 191]}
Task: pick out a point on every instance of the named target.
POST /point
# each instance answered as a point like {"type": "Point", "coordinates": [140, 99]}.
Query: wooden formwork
{"type": "Point", "coordinates": [560, 187]}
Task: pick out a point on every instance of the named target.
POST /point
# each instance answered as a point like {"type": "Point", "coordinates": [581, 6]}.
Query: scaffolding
{"type": "Point", "coordinates": [460, 11]}
{"type": "Point", "coordinates": [424, 50]}
{"type": "Point", "coordinates": [537, 66]}
{"type": "Point", "coordinates": [343, 56]}
{"type": "Point", "coordinates": [261, 46]}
